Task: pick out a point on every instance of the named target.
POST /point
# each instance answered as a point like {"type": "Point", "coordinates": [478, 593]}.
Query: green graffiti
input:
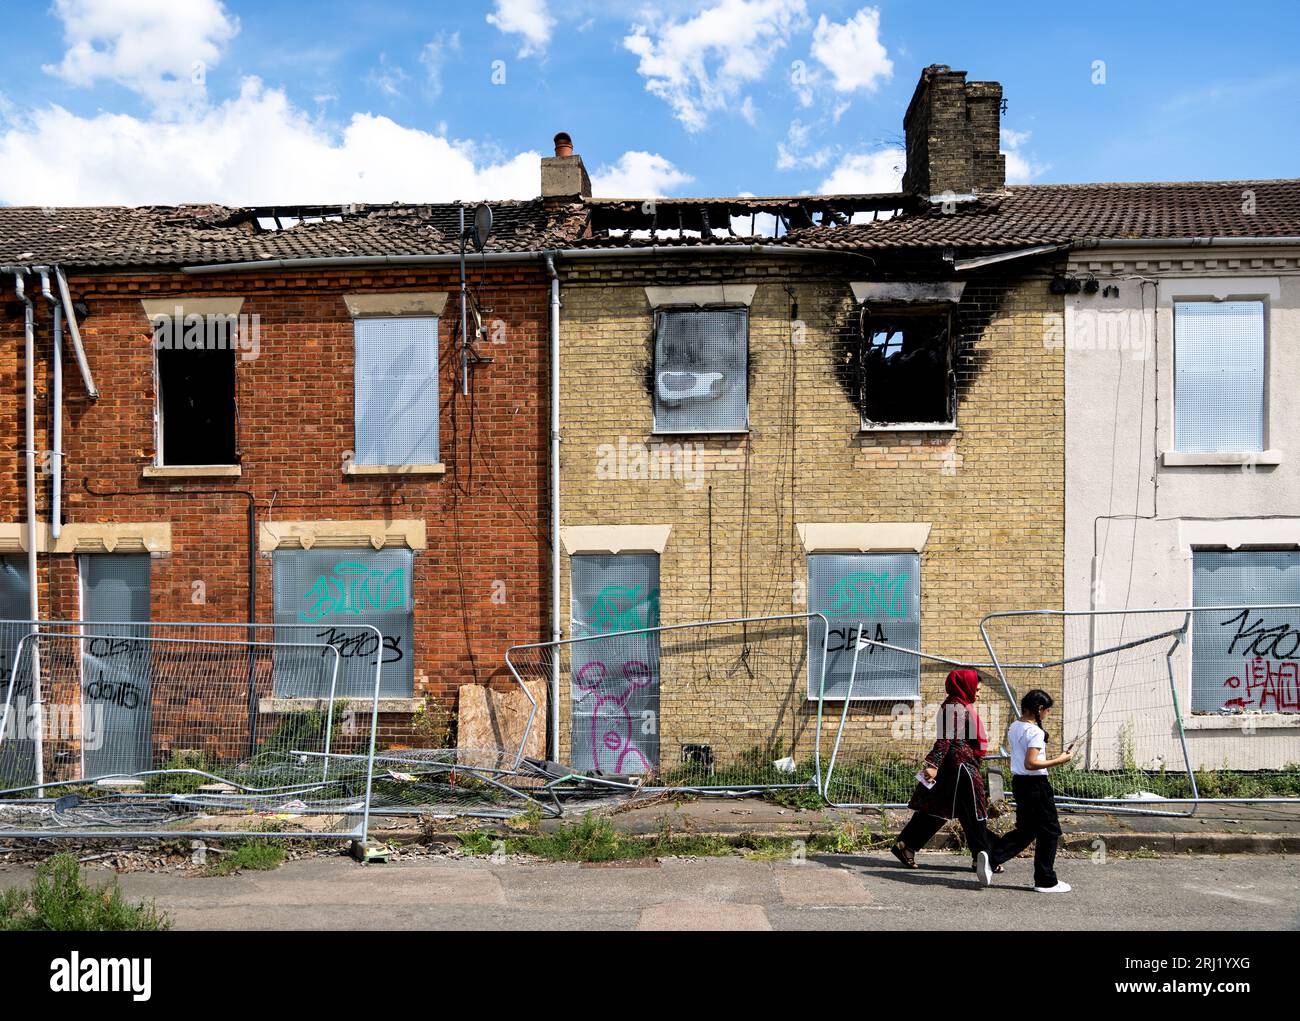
{"type": "Point", "coordinates": [354, 588]}
{"type": "Point", "coordinates": [618, 608]}
{"type": "Point", "coordinates": [866, 594]}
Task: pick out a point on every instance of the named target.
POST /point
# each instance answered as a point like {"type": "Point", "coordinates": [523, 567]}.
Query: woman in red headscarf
{"type": "Point", "coordinates": [953, 766]}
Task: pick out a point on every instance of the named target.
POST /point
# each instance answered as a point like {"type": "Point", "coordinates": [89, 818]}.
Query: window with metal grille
{"type": "Point", "coordinates": [396, 390]}
{"type": "Point", "coordinates": [1245, 660]}
{"type": "Point", "coordinates": [882, 593]}
{"type": "Point", "coordinates": [907, 376]}
{"type": "Point", "coordinates": [701, 370]}
{"type": "Point", "coordinates": [337, 589]}
{"type": "Point", "coordinates": [615, 681]}
{"type": "Point", "coordinates": [1218, 376]}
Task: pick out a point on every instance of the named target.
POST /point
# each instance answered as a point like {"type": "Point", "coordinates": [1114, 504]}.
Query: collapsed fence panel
{"type": "Point", "coordinates": [716, 705]}
{"type": "Point", "coordinates": [1165, 705]}
{"type": "Point", "coordinates": [176, 729]}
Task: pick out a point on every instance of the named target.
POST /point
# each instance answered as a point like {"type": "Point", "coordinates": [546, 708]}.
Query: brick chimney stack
{"type": "Point", "coordinates": [953, 132]}
{"type": "Point", "coordinates": [563, 175]}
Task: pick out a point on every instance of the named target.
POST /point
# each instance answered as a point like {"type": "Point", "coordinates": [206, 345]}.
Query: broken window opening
{"type": "Point", "coordinates": [701, 365]}
{"type": "Point", "coordinates": [196, 393]}
{"type": "Point", "coordinates": [907, 368]}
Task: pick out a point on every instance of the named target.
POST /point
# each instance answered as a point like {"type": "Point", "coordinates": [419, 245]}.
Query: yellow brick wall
{"type": "Point", "coordinates": [993, 491]}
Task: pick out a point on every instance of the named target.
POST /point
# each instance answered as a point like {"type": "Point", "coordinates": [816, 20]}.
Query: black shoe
{"type": "Point", "coordinates": [904, 854]}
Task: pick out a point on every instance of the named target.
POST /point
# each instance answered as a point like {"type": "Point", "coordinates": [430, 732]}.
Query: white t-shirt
{"type": "Point", "coordinates": [1022, 736]}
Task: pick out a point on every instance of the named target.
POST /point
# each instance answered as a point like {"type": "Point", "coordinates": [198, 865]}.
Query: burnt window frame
{"type": "Point", "coordinates": [893, 312]}
{"type": "Point", "coordinates": [160, 459]}
{"type": "Point", "coordinates": [656, 427]}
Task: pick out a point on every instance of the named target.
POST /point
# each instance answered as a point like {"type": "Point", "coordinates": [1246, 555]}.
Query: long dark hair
{"type": "Point", "coordinates": [1035, 701]}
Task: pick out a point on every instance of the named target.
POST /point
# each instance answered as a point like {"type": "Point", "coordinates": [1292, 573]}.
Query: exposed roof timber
{"type": "Point", "coordinates": [696, 214]}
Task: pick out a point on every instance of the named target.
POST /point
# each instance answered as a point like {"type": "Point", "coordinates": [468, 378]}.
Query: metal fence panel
{"type": "Point", "coordinates": [220, 755]}
{"type": "Point", "coordinates": [732, 710]}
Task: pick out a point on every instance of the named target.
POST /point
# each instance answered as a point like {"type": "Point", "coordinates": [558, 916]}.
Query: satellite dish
{"type": "Point", "coordinates": [482, 225]}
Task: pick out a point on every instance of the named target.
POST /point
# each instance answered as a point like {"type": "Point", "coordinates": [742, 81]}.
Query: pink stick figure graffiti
{"type": "Point", "coordinates": [612, 740]}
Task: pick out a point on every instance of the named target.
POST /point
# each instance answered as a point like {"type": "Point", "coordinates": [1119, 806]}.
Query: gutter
{"type": "Point", "coordinates": [1191, 242]}
{"type": "Point", "coordinates": [436, 258]}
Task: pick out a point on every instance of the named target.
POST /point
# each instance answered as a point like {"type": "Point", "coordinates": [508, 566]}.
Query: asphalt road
{"type": "Point", "coordinates": [851, 892]}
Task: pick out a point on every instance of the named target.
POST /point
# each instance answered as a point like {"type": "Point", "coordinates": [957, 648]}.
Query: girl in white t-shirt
{"type": "Point", "coordinates": [1036, 820]}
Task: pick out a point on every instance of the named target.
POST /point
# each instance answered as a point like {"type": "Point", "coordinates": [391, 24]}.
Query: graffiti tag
{"type": "Point", "coordinates": [354, 588]}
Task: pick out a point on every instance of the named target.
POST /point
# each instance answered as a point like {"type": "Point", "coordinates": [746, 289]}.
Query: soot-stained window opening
{"type": "Point", "coordinates": [701, 364]}
{"type": "Point", "coordinates": [907, 367]}
{"type": "Point", "coordinates": [196, 389]}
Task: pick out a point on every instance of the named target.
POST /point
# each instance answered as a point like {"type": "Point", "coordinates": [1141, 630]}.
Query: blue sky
{"type": "Point", "coordinates": [141, 101]}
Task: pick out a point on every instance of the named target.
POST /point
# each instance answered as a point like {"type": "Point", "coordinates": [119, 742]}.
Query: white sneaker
{"type": "Point", "coordinates": [1058, 888]}
{"type": "Point", "coordinates": [984, 868]}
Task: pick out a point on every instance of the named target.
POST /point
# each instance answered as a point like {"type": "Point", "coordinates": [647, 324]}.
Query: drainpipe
{"type": "Point", "coordinates": [33, 578]}
{"type": "Point", "coordinates": [555, 503]}
{"type": "Point", "coordinates": [56, 411]}
{"type": "Point", "coordinates": [75, 333]}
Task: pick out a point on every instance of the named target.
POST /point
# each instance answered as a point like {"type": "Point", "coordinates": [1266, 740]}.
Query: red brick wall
{"type": "Point", "coordinates": [486, 517]}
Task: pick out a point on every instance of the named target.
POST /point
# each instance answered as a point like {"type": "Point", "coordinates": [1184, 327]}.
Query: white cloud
{"type": "Point", "coordinates": [160, 49]}
{"type": "Point", "coordinates": [638, 175]}
{"type": "Point", "coordinates": [528, 19]}
{"type": "Point", "coordinates": [1021, 167]}
{"type": "Point", "coordinates": [866, 173]}
{"type": "Point", "coordinates": [703, 64]}
{"type": "Point", "coordinates": [433, 58]}
{"type": "Point", "coordinates": [386, 78]}
{"type": "Point", "coordinates": [257, 148]}
{"type": "Point", "coordinates": [794, 151]}
{"type": "Point", "coordinates": [852, 52]}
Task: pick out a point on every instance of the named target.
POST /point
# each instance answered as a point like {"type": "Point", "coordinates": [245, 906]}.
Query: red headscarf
{"type": "Point", "coordinates": [961, 686]}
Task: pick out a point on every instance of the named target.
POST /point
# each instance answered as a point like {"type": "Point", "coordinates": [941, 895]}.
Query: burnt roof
{"type": "Point", "coordinates": [120, 236]}
{"type": "Point", "coordinates": [1021, 215]}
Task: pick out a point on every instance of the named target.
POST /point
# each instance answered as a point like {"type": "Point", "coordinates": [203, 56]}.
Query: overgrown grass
{"type": "Point", "coordinates": [59, 900]}
{"type": "Point", "coordinates": [258, 854]}
{"type": "Point", "coordinates": [179, 783]}
{"type": "Point", "coordinates": [595, 839]}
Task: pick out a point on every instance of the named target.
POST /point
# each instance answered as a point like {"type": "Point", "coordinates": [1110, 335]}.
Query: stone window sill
{"type": "Point", "coordinates": [910, 427]}
{"type": "Point", "coordinates": [191, 471]}
{"type": "Point", "coordinates": [352, 468]}
{"type": "Point", "coordinates": [1226, 458]}
{"type": "Point", "coordinates": [1235, 721]}
{"type": "Point", "coordinates": [268, 706]}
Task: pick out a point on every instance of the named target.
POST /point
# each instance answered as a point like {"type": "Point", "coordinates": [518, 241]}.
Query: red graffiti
{"type": "Point", "coordinates": [1266, 681]}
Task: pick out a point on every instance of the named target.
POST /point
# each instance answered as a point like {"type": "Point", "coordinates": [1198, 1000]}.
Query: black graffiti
{"type": "Point", "coordinates": [362, 644]}
{"type": "Point", "coordinates": [108, 647]}
{"type": "Point", "coordinates": [1279, 642]}
{"type": "Point", "coordinates": [119, 693]}
{"type": "Point", "coordinates": [842, 639]}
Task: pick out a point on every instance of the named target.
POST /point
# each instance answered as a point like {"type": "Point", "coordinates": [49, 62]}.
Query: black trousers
{"type": "Point", "coordinates": [1036, 823]}
{"type": "Point", "coordinates": [923, 826]}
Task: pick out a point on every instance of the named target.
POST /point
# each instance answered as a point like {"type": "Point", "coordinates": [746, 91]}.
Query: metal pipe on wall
{"type": "Point", "coordinates": [71, 315]}
{"type": "Point", "coordinates": [554, 713]}
{"type": "Point", "coordinates": [56, 410]}
{"type": "Point", "coordinates": [33, 576]}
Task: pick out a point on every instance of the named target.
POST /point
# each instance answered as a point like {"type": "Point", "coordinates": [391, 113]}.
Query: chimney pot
{"type": "Point", "coordinates": [563, 144]}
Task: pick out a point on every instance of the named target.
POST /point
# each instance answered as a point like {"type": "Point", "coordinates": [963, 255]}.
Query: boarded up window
{"type": "Point", "coordinates": [1246, 660]}
{"type": "Point", "coordinates": [615, 681]}
{"type": "Point", "coordinates": [396, 390]}
{"type": "Point", "coordinates": [880, 591]}
{"type": "Point", "coordinates": [336, 590]}
{"type": "Point", "coordinates": [700, 371]}
{"type": "Point", "coordinates": [1218, 376]}
{"type": "Point", "coordinates": [907, 373]}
